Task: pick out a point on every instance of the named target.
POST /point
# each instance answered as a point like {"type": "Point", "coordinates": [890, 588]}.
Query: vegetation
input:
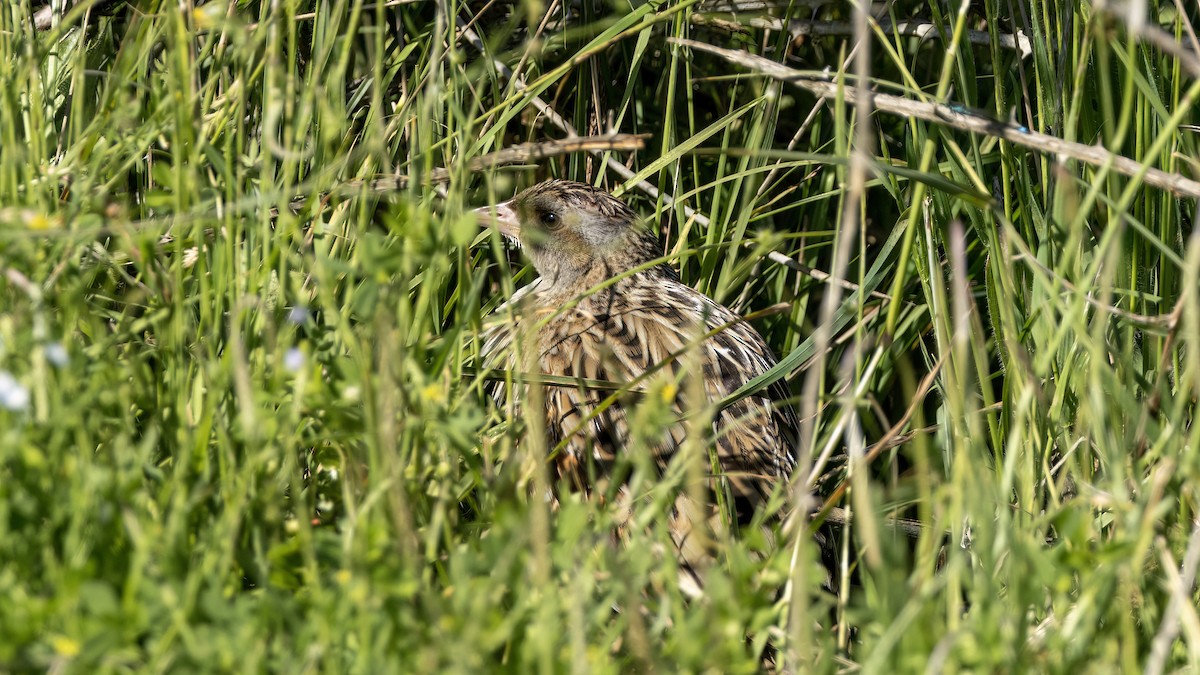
{"type": "Point", "coordinates": [241, 422]}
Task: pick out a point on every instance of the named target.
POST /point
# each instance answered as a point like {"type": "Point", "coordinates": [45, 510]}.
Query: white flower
{"type": "Point", "coordinates": [298, 315]}
{"type": "Point", "coordinates": [13, 395]}
{"type": "Point", "coordinates": [293, 360]}
{"type": "Point", "coordinates": [57, 354]}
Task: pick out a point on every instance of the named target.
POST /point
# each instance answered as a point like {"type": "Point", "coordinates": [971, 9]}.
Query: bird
{"type": "Point", "coordinates": [605, 307]}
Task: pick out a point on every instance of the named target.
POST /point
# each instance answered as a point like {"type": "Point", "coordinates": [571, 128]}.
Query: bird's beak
{"type": "Point", "coordinates": [502, 217]}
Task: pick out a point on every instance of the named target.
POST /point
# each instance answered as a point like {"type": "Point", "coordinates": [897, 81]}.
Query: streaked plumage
{"type": "Point", "coordinates": [578, 237]}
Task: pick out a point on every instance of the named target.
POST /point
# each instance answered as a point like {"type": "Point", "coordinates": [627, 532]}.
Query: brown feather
{"type": "Point", "coordinates": [646, 319]}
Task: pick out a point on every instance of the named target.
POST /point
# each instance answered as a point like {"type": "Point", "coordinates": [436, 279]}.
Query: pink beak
{"type": "Point", "coordinates": [502, 217]}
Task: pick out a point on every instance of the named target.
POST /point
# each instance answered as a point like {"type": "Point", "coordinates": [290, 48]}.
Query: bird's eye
{"type": "Point", "coordinates": [549, 219]}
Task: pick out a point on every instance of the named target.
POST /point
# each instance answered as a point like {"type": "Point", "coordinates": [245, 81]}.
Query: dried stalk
{"type": "Point", "coordinates": [957, 117]}
{"type": "Point", "coordinates": [800, 30]}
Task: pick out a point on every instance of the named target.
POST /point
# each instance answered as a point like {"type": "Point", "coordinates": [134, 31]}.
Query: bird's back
{"type": "Point", "coordinates": [656, 333]}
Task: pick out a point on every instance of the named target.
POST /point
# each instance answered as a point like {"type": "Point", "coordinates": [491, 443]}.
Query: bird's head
{"type": "Point", "coordinates": [569, 229]}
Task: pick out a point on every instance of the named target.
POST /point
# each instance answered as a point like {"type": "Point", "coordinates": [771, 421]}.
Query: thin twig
{"type": "Point", "coordinates": [43, 18]}
{"type": "Point", "coordinates": [824, 277]}
{"type": "Point", "coordinates": [800, 30]}
{"type": "Point", "coordinates": [760, 5]}
{"type": "Point", "coordinates": [959, 118]}
{"type": "Point", "coordinates": [526, 152]}
{"type": "Point", "coordinates": [517, 154]}
{"type": "Point", "coordinates": [1156, 321]}
{"type": "Point", "coordinates": [1139, 28]}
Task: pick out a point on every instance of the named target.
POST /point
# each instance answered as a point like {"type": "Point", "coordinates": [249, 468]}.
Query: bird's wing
{"type": "Point", "coordinates": [653, 326]}
{"type": "Point", "coordinates": [616, 337]}
{"type": "Point", "coordinates": [755, 435]}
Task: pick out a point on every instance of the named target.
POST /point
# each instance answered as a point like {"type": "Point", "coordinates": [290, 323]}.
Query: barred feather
{"type": "Point", "coordinates": [646, 319]}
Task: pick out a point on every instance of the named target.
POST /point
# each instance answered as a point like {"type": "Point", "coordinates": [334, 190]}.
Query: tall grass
{"type": "Point", "coordinates": [242, 426]}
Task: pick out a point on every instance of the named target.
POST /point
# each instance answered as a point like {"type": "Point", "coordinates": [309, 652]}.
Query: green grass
{"type": "Point", "coordinates": [241, 436]}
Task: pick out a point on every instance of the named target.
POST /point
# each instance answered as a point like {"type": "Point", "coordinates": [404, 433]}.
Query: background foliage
{"type": "Point", "coordinates": [240, 425]}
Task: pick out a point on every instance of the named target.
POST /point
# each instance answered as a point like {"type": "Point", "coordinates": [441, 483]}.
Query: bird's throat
{"type": "Point", "coordinates": [566, 278]}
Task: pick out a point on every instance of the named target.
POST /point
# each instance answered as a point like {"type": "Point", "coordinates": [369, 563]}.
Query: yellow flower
{"type": "Point", "coordinates": [433, 393]}
{"type": "Point", "coordinates": [38, 221]}
{"type": "Point", "coordinates": [65, 646]}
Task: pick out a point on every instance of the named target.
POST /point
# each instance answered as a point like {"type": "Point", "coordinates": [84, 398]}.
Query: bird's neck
{"type": "Point", "coordinates": [567, 278]}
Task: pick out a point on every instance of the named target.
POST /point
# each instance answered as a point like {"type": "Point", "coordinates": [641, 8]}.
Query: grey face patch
{"type": "Point", "coordinates": [568, 229]}
{"type": "Point", "coordinates": [595, 218]}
